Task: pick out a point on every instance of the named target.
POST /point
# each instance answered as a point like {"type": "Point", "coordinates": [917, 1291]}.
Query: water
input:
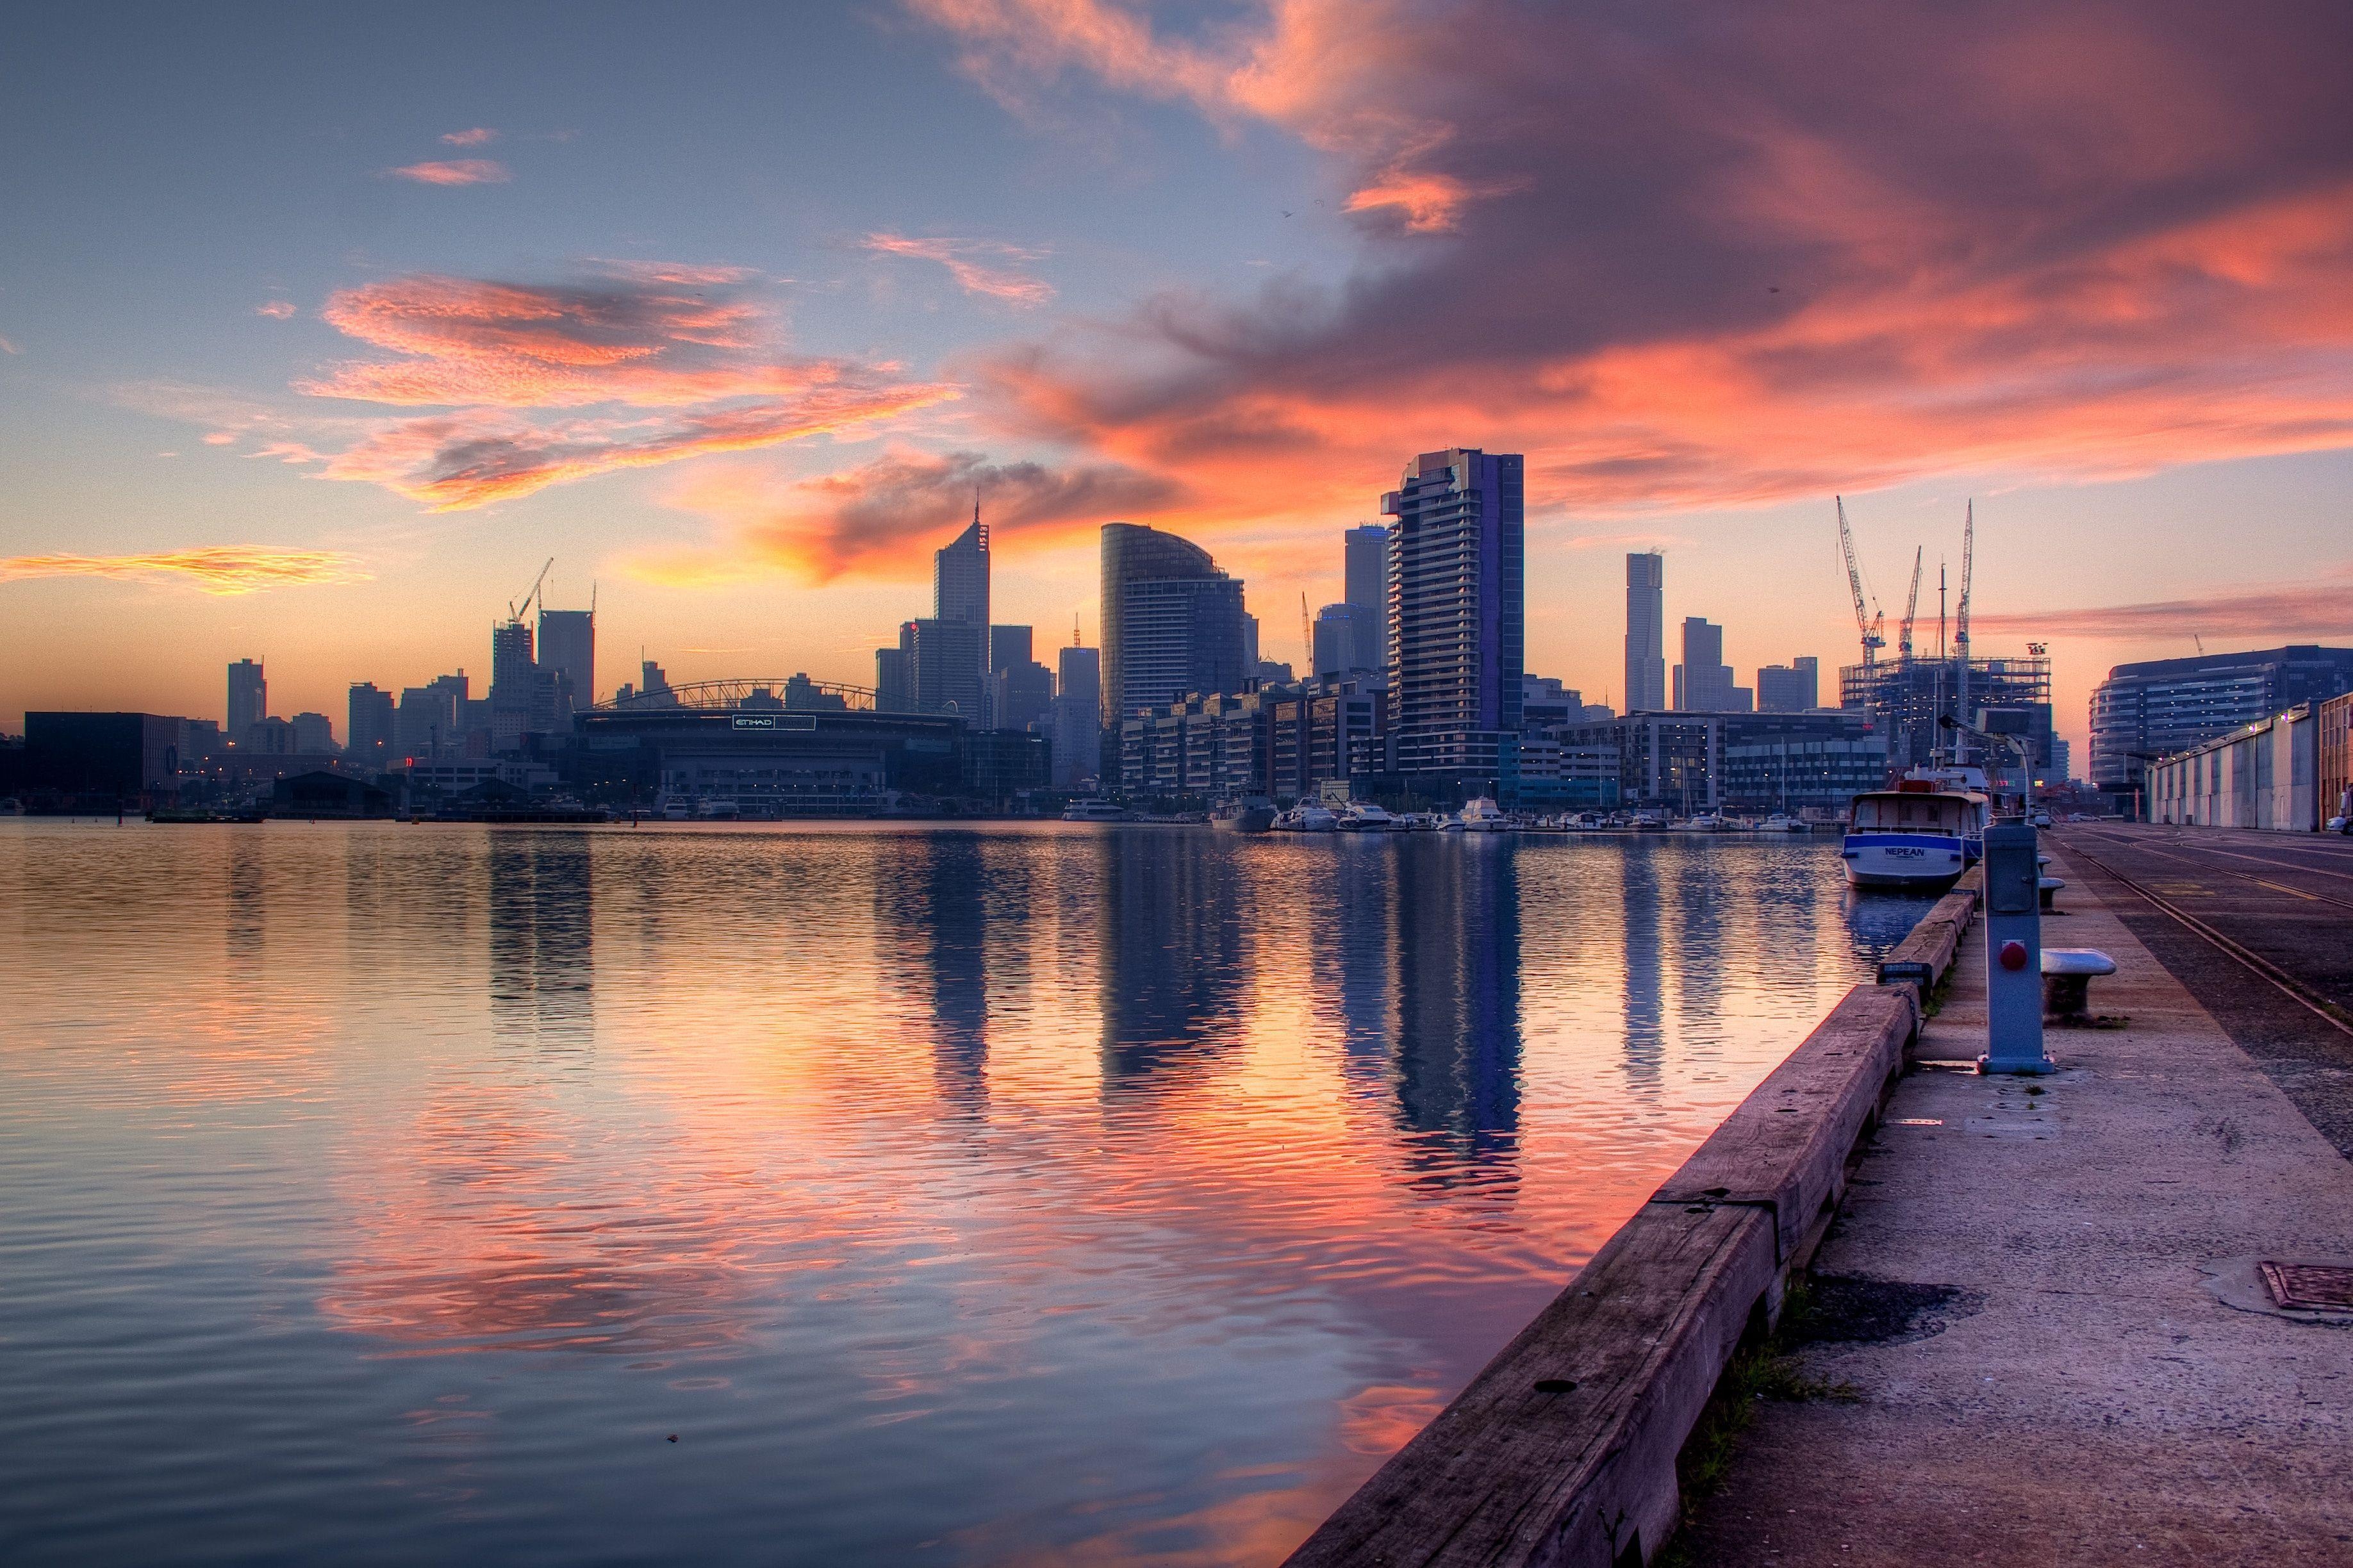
{"type": "Point", "coordinates": [1025, 1192]}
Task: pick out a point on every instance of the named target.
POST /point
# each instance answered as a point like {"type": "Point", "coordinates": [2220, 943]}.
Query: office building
{"type": "Point", "coordinates": [514, 675]}
{"type": "Point", "coordinates": [1457, 619]}
{"type": "Point", "coordinates": [1345, 638]}
{"type": "Point", "coordinates": [568, 647]}
{"type": "Point", "coordinates": [2160, 707]}
{"type": "Point", "coordinates": [1078, 718]}
{"type": "Point", "coordinates": [960, 575]}
{"type": "Point", "coordinates": [1024, 695]}
{"type": "Point", "coordinates": [432, 718]}
{"type": "Point", "coordinates": [1702, 680]}
{"type": "Point", "coordinates": [947, 664]}
{"type": "Point", "coordinates": [1687, 762]}
{"type": "Point", "coordinates": [1365, 567]}
{"type": "Point", "coordinates": [1249, 641]}
{"type": "Point", "coordinates": [1790, 688]}
{"type": "Point", "coordinates": [1646, 633]}
{"type": "Point", "coordinates": [894, 677]}
{"type": "Point", "coordinates": [368, 726]}
{"type": "Point", "coordinates": [249, 697]}
{"type": "Point", "coordinates": [1007, 645]}
{"type": "Point", "coordinates": [102, 760]}
{"type": "Point", "coordinates": [313, 734]}
{"type": "Point", "coordinates": [1179, 635]}
{"type": "Point", "coordinates": [1133, 554]}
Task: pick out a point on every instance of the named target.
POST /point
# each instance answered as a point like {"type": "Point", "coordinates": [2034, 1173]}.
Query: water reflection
{"type": "Point", "coordinates": [541, 916]}
{"type": "Point", "coordinates": [996, 1193]}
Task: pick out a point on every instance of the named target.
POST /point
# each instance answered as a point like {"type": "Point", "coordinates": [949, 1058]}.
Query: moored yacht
{"type": "Point", "coordinates": [1094, 808]}
{"type": "Point", "coordinates": [1483, 815]}
{"type": "Point", "coordinates": [1364, 816]}
{"type": "Point", "coordinates": [1255, 814]}
{"type": "Point", "coordinates": [1914, 836]}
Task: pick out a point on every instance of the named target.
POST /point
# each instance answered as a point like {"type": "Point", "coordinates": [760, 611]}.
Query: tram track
{"type": "Point", "coordinates": [2327, 1011]}
{"type": "Point", "coordinates": [2192, 861]}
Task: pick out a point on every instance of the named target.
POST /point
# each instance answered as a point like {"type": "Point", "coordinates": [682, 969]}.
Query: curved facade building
{"type": "Point", "coordinates": [1132, 553]}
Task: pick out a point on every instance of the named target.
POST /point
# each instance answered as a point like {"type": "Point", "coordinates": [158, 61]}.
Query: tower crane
{"type": "Point", "coordinates": [1961, 620]}
{"type": "Point", "coordinates": [1306, 635]}
{"type": "Point", "coordinates": [1869, 626]}
{"type": "Point", "coordinates": [516, 608]}
{"type": "Point", "coordinates": [1911, 604]}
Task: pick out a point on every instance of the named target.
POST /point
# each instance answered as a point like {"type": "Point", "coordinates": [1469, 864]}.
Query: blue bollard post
{"type": "Point", "coordinates": [2013, 922]}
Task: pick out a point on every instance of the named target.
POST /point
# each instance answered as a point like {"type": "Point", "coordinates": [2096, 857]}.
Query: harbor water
{"type": "Point", "coordinates": [1016, 1193]}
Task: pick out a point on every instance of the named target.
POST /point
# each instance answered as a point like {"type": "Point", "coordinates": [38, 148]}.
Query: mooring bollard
{"type": "Point", "coordinates": [2013, 922]}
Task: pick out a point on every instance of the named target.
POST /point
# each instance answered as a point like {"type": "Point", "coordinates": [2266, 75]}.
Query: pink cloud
{"type": "Point", "coordinates": [2317, 606]}
{"type": "Point", "coordinates": [973, 276]}
{"type": "Point", "coordinates": [276, 310]}
{"type": "Point", "coordinates": [455, 172]}
{"type": "Point", "coordinates": [480, 135]}
{"type": "Point", "coordinates": [677, 361]}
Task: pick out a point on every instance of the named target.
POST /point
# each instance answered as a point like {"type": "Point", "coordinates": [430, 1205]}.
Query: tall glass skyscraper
{"type": "Point", "coordinates": [951, 666]}
{"type": "Point", "coordinates": [1367, 588]}
{"type": "Point", "coordinates": [249, 698]}
{"type": "Point", "coordinates": [567, 645]}
{"type": "Point", "coordinates": [1646, 634]}
{"type": "Point", "coordinates": [1171, 623]}
{"type": "Point", "coordinates": [1458, 618]}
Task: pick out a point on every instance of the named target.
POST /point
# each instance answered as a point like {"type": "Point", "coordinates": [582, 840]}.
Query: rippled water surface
{"type": "Point", "coordinates": [1026, 1193]}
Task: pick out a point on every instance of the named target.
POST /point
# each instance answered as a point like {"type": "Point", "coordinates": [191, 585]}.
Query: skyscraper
{"type": "Point", "coordinates": [958, 670]}
{"type": "Point", "coordinates": [1458, 616]}
{"type": "Point", "coordinates": [1078, 718]}
{"type": "Point", "coordinates": [1365, 577]}
{"type": "Point", "coordinates": [1345, 638]}
{"type": "Point", "coordinates": [1007, 646]}
{"type": "Point", "coordinates": [367, 728]}
{"type": "Point", "coordinates": [1702, 680]}
{"type": "Point", "coordinates": [1143, 563]}
{"type": "Point", "coordinates": [513, 677]}
{"type": "Point", "coordinates": [1789, 687]}
{"type": "Point", "coordinates": [567, 645]}
{"type": "Point", "coordinates": [1646, 633]}
{"type": "Point", "coordinates": [894, 676]}
{"type": "Point", "coordinates": [249, 698]}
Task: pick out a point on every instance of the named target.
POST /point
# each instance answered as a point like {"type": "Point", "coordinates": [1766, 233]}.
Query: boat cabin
{"type": "Point", "coordinates": [1915, 811]}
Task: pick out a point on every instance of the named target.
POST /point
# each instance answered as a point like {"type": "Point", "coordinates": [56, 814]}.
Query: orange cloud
{"type": "Point", "coordinates": [972, 276]}
{"type": "Point", "coordinates": [455, 172]}
{"type": "Point", "coordinates": [480, 135]}
{"type": "Point", "coordinates": [2271, 611]}
{"type": "Point", "coordinates": [683, 349]}
{"type": "Point", "coordinates": [872, 518]}
{"type": "Point", "coordinates": [1664, 264]}
{"type": "Point", "coordinates": [226, 569]}
{"type": "Point", "coordinates": [276, 310]}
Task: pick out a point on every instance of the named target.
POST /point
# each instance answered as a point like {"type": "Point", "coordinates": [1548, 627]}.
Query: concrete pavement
{"type": "Point", "coordinates": [2035, 1311]}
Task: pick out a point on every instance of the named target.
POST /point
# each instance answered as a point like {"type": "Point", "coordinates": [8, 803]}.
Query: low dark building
{"type": "Point", "coordinates": [323, 794]}
{"type": "Point", "coordinates": [780, 762]}
{"type": "Point", "coordinates": [100, 759]}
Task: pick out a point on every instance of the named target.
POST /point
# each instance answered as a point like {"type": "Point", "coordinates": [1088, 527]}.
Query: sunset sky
{"type": "Point", "coordinates": [320, 328]}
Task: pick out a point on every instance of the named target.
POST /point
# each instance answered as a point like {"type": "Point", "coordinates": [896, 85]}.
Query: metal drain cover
{"type": "Point", "coordinates": [2309, 1287]}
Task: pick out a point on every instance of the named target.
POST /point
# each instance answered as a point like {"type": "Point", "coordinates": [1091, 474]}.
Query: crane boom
{"type": "Point", "coordinates": [1961, 620]}
{"type": "Point", "coordinates": [1911, 604]}
{"type": "Point", "coordinates": [1306, 635]}
{"type": "Point", "coordinates": [516, 608]}
{"type": "Point", "coordinates": [1865, 625]}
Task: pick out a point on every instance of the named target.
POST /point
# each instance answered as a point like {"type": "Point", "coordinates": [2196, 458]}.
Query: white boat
{"type": "Point", "coordinates": [1649, 822]}
{"type": "Point", "coordinates": [1781, 822]}
{"type": "Point", "coordinates": [1483, 815]}
{"type": "Point", "coordinates": [718, 811]}
{"type": "Point", "coordinates": [1706, 822]}
{"type": "Point", "coordinates": [1309, 817]}
{"type": "Point", "coordinates": [1255, 814]}
{"type": "Point", "coordinates": [1096, 809]}
{"type": "Point", "coordinates": [1363, 816]}
{"type": "Point", "coordinates": [1914, 836]}
{"type": "Point", "coordinates": [677, 808]}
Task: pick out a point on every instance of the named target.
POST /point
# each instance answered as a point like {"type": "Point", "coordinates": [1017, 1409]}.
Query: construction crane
{"type": "Point", "coordinates": [516, 608]}
{"type": "Point", "coordinates": [1306, 635]}
{"type": "Point", "coordinates": [1870, 626]}
{"type": "Point", "coordinates": [1961, 620]}
{"type": "Point", "coordinates": [1911, 604]}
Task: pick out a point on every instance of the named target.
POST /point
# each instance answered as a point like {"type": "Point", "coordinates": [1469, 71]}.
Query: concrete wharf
{"type": "Point", "coordinates": [2034, 1328]}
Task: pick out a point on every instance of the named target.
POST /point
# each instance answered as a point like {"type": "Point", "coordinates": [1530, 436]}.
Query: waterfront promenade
{"type": "Point", "coordinates": [2043, 1336]}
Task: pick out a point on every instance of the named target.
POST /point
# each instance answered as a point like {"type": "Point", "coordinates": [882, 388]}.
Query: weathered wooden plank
{"type": "Point", "coordinates": [1562, 1451]}
{"type": "Point", "coordinates": [1925, 954]}
{"type": "Point", "coordinates": [1785, 1147]}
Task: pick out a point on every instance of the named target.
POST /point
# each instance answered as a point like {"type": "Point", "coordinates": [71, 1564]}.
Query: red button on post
{"type": "Point", "coordinates": [2013, 955]}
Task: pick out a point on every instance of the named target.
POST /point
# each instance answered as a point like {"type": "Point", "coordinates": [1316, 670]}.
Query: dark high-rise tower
{"type": "Point", "coordinates": [1458, 616]}
{"type": "Point", "coordinates": [249, 698]}
{"type": "Point", "coordinates": [1367, 588]}
{"type": "Point", "coordinates": [567, 645]}
{"type": "Point", "coordinates": [960, 576]}
{"type": "Point", "coordinates": [1646, 633]}
{"type": "Point", "coordinates": [951, 667]}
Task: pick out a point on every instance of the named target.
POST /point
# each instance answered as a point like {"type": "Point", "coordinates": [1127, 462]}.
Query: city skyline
{"type": "Point", "coordinates": [885, 297]}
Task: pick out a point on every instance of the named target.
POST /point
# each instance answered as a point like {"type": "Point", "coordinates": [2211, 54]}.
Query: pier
{"type": "Point", "coordinates": [2032, 1326]}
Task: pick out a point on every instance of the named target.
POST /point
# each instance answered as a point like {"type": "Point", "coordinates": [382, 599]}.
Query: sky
{"type": "Point", "coordinates": [322, 328]}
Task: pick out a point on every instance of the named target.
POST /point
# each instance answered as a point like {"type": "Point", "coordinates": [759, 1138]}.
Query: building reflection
{"type": "Point", "coordinates": [1175, 979]}
{"type": "Point", "coordinates": [541, 916]}
{"type": "Point", "coordinates": [1361, 957]}
{"type": "Point", "coordinates": [249, 893]}
{"type": "Point", "coordinates": [1640, 897]}
{"type": "Point", "coordinates": [1458, 989]}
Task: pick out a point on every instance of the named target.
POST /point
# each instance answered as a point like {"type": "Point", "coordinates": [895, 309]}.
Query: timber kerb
{"type": "Point", "coordinates": [1562, 1450]}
